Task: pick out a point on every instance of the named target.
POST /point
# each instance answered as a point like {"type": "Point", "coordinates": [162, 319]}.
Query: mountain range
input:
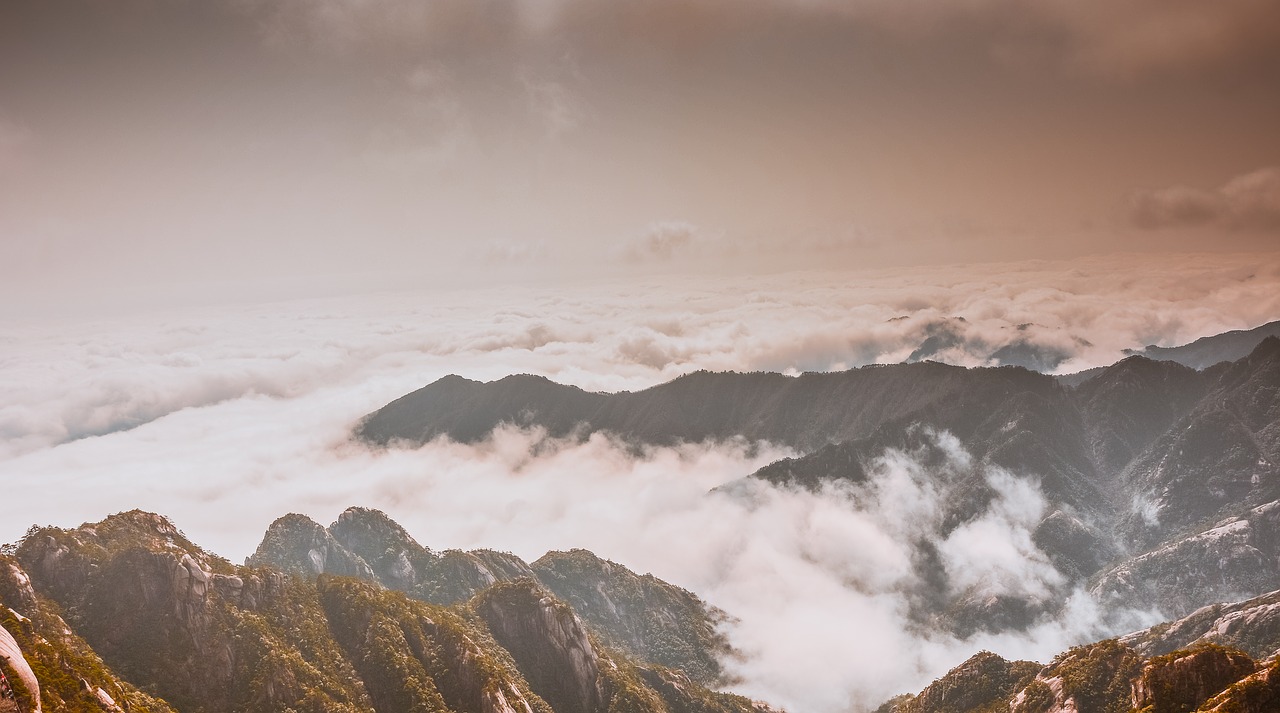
{"type": "Point", "coordinates": [1160, 487]}
{"type": "Point", "coordinates": [1152, 471]}
{"type": "Point", "coordinates": [128, 614]}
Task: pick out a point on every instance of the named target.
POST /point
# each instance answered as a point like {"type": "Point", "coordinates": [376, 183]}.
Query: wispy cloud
{"type": "Point", "coordinates": [1247, 202]}
{"type": "Point", "coordinates": [662, 241]}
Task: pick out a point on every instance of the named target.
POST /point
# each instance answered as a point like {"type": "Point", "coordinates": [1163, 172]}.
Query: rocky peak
{"type": "Point", "coordinates": [297, 544]}
{"type": "Point", "coordinates": [396, 559]}
{"type": "Point", "coordinates": [548, 643]}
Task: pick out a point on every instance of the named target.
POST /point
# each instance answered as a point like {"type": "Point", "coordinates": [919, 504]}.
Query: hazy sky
{"type": "Point", "coordinates": [187, 149]}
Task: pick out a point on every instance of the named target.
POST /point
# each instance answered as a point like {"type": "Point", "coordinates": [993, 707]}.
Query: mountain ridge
{"type": "Point", "coordinates": [201, 634]}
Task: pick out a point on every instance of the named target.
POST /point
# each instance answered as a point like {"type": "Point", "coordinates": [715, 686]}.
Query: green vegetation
{"type": "Point", "coordinates": [1180, 681]}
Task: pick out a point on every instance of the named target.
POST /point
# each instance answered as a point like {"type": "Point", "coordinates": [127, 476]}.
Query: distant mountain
{"type": "Point", "coordinates": [200, 634]}
{"type": "Point", "coordinates": [1215, 349]}
{"type": "Point", "coordinates": [1016, 346]}
{"type": "Point", "coordinates": [1161, 480]}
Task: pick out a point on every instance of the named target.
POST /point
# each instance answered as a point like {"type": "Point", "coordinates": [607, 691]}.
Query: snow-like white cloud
{"type": "Point", "coordinates": [226, 418]}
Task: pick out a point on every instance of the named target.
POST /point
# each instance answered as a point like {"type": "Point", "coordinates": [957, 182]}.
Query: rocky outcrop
{"type": "Point", "coordinates": [1183, 680]}
{"type": "Point", "coordinates": [1105, 677]}
{"type": "Point", "coordinates": [18, 674]}
{"type": "Point", "coordinates": [71, 676]}
{"type": "Point", "coordinates": [548, 642]}
{"type": "Point", "coordinates": [458, 575]}
{"type": "Point", "coordinates": [1256, 693]}
{"type": "Point", "coordinates": [365, 543]}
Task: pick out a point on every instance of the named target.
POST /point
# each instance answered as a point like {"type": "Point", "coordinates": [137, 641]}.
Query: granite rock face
{"type": "Point", "coordinates": [548, 642]}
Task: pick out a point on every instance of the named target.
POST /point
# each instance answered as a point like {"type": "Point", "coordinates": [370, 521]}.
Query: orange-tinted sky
{"type": "Point", "coordinates": [184, 148]}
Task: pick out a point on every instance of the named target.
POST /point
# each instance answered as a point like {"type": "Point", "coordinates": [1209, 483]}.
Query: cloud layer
{"type": "Point", "coordinates": [1247, 202]}
{"type": "Point", "coordinates": [225, 418]}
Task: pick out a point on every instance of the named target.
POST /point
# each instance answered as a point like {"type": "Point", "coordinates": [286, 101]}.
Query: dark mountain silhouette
{"type": "Point", "coordinates": [1207, 351]}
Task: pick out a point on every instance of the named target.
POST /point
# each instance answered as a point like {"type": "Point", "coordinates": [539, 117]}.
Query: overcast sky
{"type": "Point", "coordinates": [198, 149]}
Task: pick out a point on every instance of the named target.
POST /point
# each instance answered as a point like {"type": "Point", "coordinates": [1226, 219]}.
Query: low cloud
{"type": "Point", "coordinates": [1248, 202]}
{"type": "Point", "coordinates": [503, 252]}
{"type": "Point", "coordinates": [812, 577]}
{"type": "Point", "coordinates": [662, 241]}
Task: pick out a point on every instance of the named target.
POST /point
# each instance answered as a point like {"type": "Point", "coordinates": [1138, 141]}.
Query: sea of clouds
{"type": "Point", "coordinates": [226, 418]}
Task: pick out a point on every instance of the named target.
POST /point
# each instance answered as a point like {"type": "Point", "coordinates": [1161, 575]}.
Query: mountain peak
{"type": "Point", "coordinates": [138, 520]}
{"type": "Point", "coordinates": [296, 543]}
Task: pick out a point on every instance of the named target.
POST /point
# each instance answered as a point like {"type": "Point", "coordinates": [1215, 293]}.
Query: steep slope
{"type": "Point", "coordinates": [417, 657]}
{"type": "Point", "coordinates": [1252, 626]}
{"type": "Point", "coordinates": [200, 632]}
{"type": "Point", "coordinates": [983, 683]}
{"type": "Point", "coordinates": [1223, 453]}
{"type": "Point", "coordinates": [298, 545]}
{"type": "Point", "coordinates": [19, 687]}
{"type": "Point", "coordinates": [574, 673]}
{"type": "Point", "coordinates": [641, 615]}
{"type": "Point", "coordinates": [50, 667]}
{"type": "Point", "coordinates": [1231, 559]}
